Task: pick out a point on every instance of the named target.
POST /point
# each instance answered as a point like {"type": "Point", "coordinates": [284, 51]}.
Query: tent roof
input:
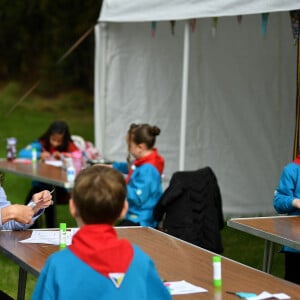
{"type": "Point", "coordinates": [157, 10]}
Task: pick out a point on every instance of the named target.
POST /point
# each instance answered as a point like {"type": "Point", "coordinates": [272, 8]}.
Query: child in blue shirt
{"type": "Point", "coordinates": [98, 265]}
{"type": "Point", "coordinates": [287, 201]}
{"type": "Point", "coordinates": [144, 173]}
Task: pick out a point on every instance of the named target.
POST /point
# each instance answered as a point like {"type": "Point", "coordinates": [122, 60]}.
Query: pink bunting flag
{"type": "Point", "coordinates": [264, 23]}
{"type": "Point", "coordinates": [295, 21]}
{"type": "Point", "coordinates": [153, 28]}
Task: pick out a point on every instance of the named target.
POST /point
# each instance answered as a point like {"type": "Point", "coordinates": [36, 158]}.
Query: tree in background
{"type": "Point", "coordinates": [35, 34]}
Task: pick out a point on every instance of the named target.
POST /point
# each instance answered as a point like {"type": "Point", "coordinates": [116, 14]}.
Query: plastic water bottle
{"type": "Point", "coordinates": [11, 150]}
{"type": "Point", "coordinates": [71, 172]}
{"type": "Point", "coordinates": [33, 155]}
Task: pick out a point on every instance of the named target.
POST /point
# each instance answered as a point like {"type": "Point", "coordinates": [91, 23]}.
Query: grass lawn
{"type": "Point", "coordinates": [30, 119]}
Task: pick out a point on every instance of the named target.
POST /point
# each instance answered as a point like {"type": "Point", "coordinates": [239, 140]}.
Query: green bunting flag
{"type": "Point", "coordinates": [153, 29]}
{"type": "Point", "coordinates": [214, 26]}
{"type": "Point", "coordinates": [264, 23]}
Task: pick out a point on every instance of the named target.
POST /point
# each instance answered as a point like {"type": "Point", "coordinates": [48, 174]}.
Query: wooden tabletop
{"type": "Point", "coordinates": [37, 171]}
{"type": "Point", "coordinates": [284, 230]}
{"type": "Point", "coordinates": [174, 259]}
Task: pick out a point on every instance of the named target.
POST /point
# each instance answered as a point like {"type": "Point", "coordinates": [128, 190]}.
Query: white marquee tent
{"type": "Point", "coordinates": [225, 100]}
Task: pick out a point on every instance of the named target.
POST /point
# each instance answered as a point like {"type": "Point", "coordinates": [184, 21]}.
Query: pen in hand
{"type": "Point", "coordinates": [34, 204]}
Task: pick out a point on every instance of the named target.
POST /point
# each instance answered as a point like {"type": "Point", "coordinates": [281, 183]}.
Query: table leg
{"type": "Point", "coordinates": [268, 256]}
{"type": "Point", "coordinates": [50, 213]}
{"type": "Point", "coordinates": [22, 284]}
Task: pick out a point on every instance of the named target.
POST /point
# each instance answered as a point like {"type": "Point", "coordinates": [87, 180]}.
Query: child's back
{"type": "Point", "coordinates": [98, 265]}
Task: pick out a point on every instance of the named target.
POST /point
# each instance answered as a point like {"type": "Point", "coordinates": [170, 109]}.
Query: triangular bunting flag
{"type": "Point", "coordinates": [214, 26]}
{"type": "Point", "coordinates": [116, 278]}
{"type": "Point", "coordinates": [295, 20]}
{"type": "Point", "coordinates": [264, 23]}
{"type": "Point", "coordinates": [153, 28]}
{"type": "Point", "coordinates": [239, 19]}
{"type": "Point", "coordinates": [193, 24]}
{"type": "Point", "coordinates": [173, 27]}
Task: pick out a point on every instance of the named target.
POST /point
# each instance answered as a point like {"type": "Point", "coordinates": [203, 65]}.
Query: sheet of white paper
{"type": "Point", "coordinates": [267, 295]}
{"type": "Point", "coordinates": [55, 163]}
{"type": "Point", "coordinates": [49, 237]}
{"type": "Point", "coordinates": [183, 287]}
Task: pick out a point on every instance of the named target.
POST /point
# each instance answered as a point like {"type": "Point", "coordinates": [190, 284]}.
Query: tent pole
{"type": "Point", "coordinates": [99, 88]}
{"type": "Point", "coordinates": [296, 137]}
{"type": "Point", "coordinates": [184, 93]}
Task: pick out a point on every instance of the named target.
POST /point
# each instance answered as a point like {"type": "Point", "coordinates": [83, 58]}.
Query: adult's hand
{"type": "Point", "coordinates": [20, 213]}
{"type": "Point", "coordinates": [42, 200]}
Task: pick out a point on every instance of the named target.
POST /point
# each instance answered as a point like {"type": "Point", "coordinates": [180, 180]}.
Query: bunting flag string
{"type": "Point", "coordinates": [264, 23]}
{"type": "Point", "coordinates": [294, 16]}
{"type": "Point", "coordinates": [295, 22]}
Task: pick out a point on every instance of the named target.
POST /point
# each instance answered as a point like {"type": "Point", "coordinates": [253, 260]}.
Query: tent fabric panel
{"type": "Point", "coordinates": [241, 101]}
{"type": "Point", "coordinates": [157, 10]}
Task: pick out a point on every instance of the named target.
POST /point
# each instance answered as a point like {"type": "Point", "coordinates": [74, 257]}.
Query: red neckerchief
{"type": "Point", "coordinates": [99, 247]}
{"type": "Point", "coordinates": [153, 158]}
{"type": "Point", "coordinates": [297, 160]}
{"type": "Point", "coordinates": [71, 147]}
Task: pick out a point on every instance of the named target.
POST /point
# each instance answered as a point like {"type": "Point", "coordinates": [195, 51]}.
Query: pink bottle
{"type": "Point", "coordinates": [77, 160]}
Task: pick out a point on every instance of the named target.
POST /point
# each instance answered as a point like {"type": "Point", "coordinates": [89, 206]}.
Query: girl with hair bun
{"type": "Point", "coordinates": [143, 175]}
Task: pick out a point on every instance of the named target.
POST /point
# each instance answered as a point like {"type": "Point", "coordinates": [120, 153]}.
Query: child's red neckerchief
{"type": "Point", "coordinates": [297, 160]}
{"type": "Point", "coordinates": [153, 158]}
{"type": "Point", "coordinates": [99, 247]}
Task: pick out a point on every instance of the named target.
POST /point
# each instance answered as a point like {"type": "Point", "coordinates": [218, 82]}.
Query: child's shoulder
{"type": "Point", "coordinates": [60, 257]}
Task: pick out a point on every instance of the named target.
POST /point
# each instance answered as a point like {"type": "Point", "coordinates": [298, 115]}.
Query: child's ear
{"type": "Point", "coordinates": [72, 208]}
{"type": "Point", "coordinates": [124, 210]}
{"type": "Point", "coordinates": [142, 147]}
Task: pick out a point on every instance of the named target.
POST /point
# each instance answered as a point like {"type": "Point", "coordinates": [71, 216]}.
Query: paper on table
{"type": "Point", "coordinates": [48, 237]}
{"type": "Point", "coordinates": [183, 287]}
{"type": "Point", "coordinates": [267, 295]}
{"type": "Point", "coordinates": [55, 163]}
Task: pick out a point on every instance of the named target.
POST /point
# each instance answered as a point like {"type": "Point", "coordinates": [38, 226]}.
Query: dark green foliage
{"type": "Point", "coordinates": [35, 34]}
